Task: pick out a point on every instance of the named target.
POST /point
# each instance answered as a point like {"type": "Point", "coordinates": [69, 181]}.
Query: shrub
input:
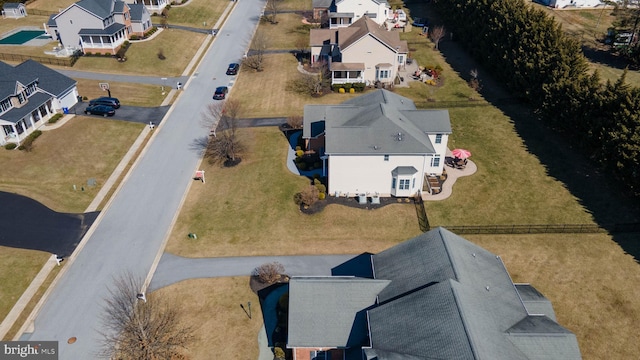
{"type": "Point", "coordinates": [347, 86]}
{"type": "Point", "coordinates": [359, 86]}
{"type": "Point", "coordinates": [299, 153]}
{"type": "Point", "coordinates": [297, 198]}
{"type": "Point", "coordinates": [11, 146]}
{"type": "Point", "coordinates": [336, 87]}
{"type": "Point", "coordinates": [298, 148]}
{"type": "Point", "coordinates": [85, 98]}
{"type": "Point", "coordinates": [302, 165]}
{"type": "Point", "coordinates": [269, 273]}
{"type": "Point", "coordinates": [55, 118]}
{"type": "Point", "coordinates": [317, 165]}
{"type": "Point", "coordinates": [310, 195]}
{"type": "Point", "coordinates": [341, 90]}
{"type": "Point", "coordinates": [278, 354]}
{"type": "Point", "coordinates": [322, 196]}
{"type": "Point", "coordinates": [27, 144]}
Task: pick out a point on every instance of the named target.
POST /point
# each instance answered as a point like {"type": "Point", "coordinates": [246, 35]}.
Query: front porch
{"type": "Point", "coordinates": [15, 131]}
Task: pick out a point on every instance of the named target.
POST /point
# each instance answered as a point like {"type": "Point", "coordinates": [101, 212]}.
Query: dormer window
{"type": "Point", "coordinates": [439, 139]}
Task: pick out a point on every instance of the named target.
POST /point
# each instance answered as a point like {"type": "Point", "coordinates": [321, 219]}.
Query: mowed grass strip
{"type": "Point", "coordinates": [288, 33]}
{"type": "Point", "coordinates": [83, 148]}
{"type": "Point", "coordinates": [143, 59]}
{"type": "Point", "coordinates": [131, 94]}
{"type": "Point", "coordinates": [195, 13]}
{"type": "Point", "coordinates": [249, 210]}
{"type": "Point", "coordinates": [221, 327]}
{"type": "Point", "coordinates": [17, 268]}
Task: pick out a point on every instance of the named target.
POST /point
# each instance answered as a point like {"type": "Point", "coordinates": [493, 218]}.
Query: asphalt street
{"type": "Point", "coordinates": [130, 232]}
{"type": "Point", "coordinates": [27, 224]}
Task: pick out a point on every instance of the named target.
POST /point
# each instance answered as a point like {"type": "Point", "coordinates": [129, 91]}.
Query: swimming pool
{"type": "Point", "coordinates": [21, 37]}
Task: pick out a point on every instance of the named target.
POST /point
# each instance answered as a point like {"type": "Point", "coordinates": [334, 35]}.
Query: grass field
{"type": "Point", "coordinates": [288, 33]}
{"type": "Point", "coordinates": [130, 94]}
{"type": "Point", "coordinates": [196, 13]}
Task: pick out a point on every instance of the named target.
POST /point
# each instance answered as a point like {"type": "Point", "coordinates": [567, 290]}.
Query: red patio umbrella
{"type": "Point", "coordinates": [461, 153]}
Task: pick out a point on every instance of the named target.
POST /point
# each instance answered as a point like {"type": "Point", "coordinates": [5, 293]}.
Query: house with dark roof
{"type": "Point", "coordinates": [377, 143]}
{"type": "Point", "coordinates": [13, 10]}
{"type": "Point", "coordinates": [342, 13]}
{"type": "Point", "coordinates": [364, 52]}
{"type": "Point", "coordinates": [98, 26]}
{"type": "Point", "coordinates": [436, 296]}
{"type": "Point", "coordinates": [31, 93]}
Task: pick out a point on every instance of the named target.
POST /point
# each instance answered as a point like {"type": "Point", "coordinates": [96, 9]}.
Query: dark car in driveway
{"type": "Point", "coordinates": [103, 110]}
{"type": "Point", "coordinates": [220, 93]}
{"type": "Point", "coordinates": [109, 101]}
{"type": "Point", "coordinates": [233, 69]}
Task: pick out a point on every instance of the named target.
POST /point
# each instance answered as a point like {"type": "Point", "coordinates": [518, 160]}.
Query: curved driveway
{"type": "Point", "coordinates": [131, 230]}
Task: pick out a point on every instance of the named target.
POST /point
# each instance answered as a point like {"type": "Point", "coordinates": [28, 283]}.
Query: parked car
{"type": "Point", "coordinates": [220, 93]}
{"type": "Point", "coordinates": [419, 22]}
{"type": "Point", "coordinates": [104, 110]}
{"type": "Point", "coordinates": [109, 101]}
{"type": "Point", "coordinates": [233, 69]}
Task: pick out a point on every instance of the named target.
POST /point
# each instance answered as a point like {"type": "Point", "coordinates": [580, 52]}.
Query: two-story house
{"type": "Point", "coordinates": [436, 296]}
{"type": "Point", "coordinates": [30, 93]}
{"type": "Point", "coordinates": [364, 52]}
{"type": "Point", "coordinates": [377, 143]}
{"type": "Point", "coordinates": [98, 26]}
{"type": "Point", "coordinates": [342, 13]}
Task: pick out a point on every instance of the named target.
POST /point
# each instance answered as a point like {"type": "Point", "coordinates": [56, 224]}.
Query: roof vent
{"type": "Point", "coordinates": [376, 147]}
{"type": "Point", "coordinates": [487, 287]}
{"type": "Point", "coordinates": [399, 136]}
{"type": "Point", "coordinates": [474, 254]}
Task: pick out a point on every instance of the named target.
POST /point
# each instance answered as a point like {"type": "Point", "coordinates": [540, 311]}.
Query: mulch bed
{"type": "Point", "coordinates": [352, 202]}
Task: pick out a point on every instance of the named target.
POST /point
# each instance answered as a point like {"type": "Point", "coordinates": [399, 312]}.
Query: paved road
{"type": "Point", "coordinates": [130, 232]}
{"type": "Point", "coordinates": [173, 269]}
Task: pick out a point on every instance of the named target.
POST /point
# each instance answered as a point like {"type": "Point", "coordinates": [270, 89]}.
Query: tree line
{"type": "Point", "coordinates": [526, 49]}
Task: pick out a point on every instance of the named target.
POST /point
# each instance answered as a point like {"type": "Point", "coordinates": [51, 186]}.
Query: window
{"type": "Point", "coordinates": [400, 59]}
{"type": "Point", "coordinates": [435, 161]}
{"type": "Point", "coordinates": [393, 183]}
{"type": "Point", "coordinates": [413, 186]}
{"type": "Point", "coordinates": [383, 74]}
{"type": "Point", "coordinates": [386, 158]}
{"type": "Point", "coordinates": [439, 139]}
{"type": "Point", "coordinates": [404, 184]}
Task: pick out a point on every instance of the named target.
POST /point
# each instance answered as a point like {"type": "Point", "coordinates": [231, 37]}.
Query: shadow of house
{"type": "Point", "coordinates": [269, 298]}
{"type": "Point", "coordinates": [436, 296]}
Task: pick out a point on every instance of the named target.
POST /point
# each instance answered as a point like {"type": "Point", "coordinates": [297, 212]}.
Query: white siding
{"type": "Point", "coordinates": [371, 173]}
{"type": "Point", "coordinates": [361, 7]}
{"type": "Point", "coordinates": [71, 21]}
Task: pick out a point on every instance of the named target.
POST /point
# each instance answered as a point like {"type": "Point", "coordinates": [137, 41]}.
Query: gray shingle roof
{"type": "Point", "coordinates": [377, 122]}
{"type": "Point", "coordinates": [99, 8]}
{"type": "Point", "coordinates": [136, 11]}
{"type": "Point", "coordinates": [329, 311]}
{"type": "Point", "coordinates": [534, 301]}
{"type": "Point", "coordinates": [35, 101]}
{"type": "Point", "coordinates": [109, 30]}
{"type": "Point", "coordinates": [321, 3]}
{"type": "Point", "coordinates": [461, 301]}
{"type": "Point", "coordinates": [49, 80]}
{"type": "Point", "coordinates": [10, 5]}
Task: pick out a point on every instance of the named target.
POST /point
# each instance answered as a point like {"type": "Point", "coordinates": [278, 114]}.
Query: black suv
{"type": "Point", "coordinates": [109, 101]}
{"type": "Point", "coordinates": [233, 69]}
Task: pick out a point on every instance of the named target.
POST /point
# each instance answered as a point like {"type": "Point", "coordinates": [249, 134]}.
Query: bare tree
{"type": "Point", "coordinates": [136, 327]}
{"type": "Point", "coordinates": [312, 83]}
{"type": "Point", "coordinates": [224, 146]}
{"type": "Point", "coordinates": [272, 10]}
{"type": "Point", "coordinates": [269, 273]}
{"type": "Point", "coordinates": [474, 82]}
{"type": "Point", "coordinates": [437, 34]}
{"type": "Point", "coordinates": [255, 59]}
{"type": "Point", "coordinates": [295, 121]}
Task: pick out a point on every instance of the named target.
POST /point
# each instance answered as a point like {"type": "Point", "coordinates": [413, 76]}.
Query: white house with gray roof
{"type": "Point", "coordinates": [377, 143]}
{"type": "Point", "coordinates": [364, 52]}
{"type": "Point", "coordinates": [98, 26]}
{"type": "Point", "coordinates": [342, 13]}
{"type": "Point", "coordinates": [31, 93]}
{"type": "Point", "coordinates": [436, 296]}
{"type": "Point", "coordinates": [13, 10]}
